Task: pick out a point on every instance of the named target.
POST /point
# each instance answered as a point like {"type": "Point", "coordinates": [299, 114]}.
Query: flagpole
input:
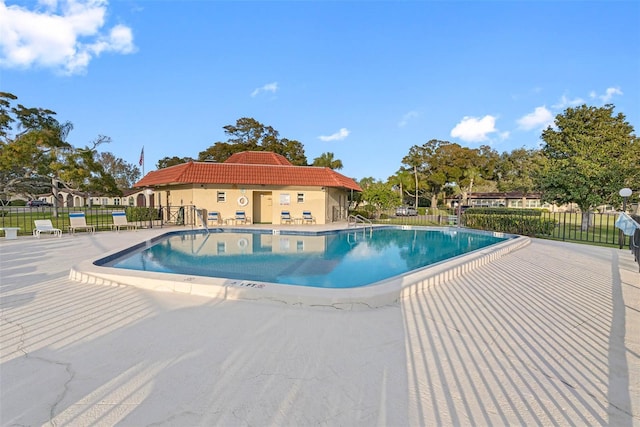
{"type": "Point", "coordinates": [141, 162]}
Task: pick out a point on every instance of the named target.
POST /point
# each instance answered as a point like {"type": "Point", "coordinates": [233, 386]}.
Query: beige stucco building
{"type": "Point", "coordinates": [259, 183]}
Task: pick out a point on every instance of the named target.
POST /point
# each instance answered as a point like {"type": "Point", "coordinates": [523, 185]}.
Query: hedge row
{"type": "Point", "coordinates": [505, 211]}
{"type": "Point", "coordinates": [141, 214]}
{"type": "Point", "coordinates": [515, 224]}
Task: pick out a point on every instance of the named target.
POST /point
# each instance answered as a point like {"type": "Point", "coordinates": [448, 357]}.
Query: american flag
{"type": "Point", "coordinates": [141, 162]}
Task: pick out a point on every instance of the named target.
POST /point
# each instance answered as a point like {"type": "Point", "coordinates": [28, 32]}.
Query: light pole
{"type": "Point", "coordinates": [624, 193]}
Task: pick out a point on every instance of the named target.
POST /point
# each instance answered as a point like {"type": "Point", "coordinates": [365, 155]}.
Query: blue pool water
{"type": "Point", "coordinates": [340, 259]}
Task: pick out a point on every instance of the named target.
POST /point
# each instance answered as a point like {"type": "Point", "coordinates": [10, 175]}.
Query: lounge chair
{"type": "Point", "coordinates": [120, 221]}
{"type": "Point", "coordinates": [242, 218]}
{"type": "Point", "coordinates": [307, 217]}
{"type": "Point", "coordinates": [79, 222]}
{"type": "Point", "coordinates": [285, 217]}
{"type": "Point", "coordinates": [45, 226]}
{"type": "Point", "coordinates": [213, 217]}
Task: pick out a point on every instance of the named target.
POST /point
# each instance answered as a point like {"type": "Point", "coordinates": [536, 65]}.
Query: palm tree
{"type": "Point", "coordinates": [326, 160]}
{"type": "Point", "coordinates": [403, 181]}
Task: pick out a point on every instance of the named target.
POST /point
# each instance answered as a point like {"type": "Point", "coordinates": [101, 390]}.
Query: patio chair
{"type": "Point", "coordinates": [307, 217]}
{"type": "Point", "coordinates": [120, 221]}
{"type": "Point", "coordinates": [213, 217]}
{"type": "Point", "coordinates": [45, 226]}
{"type": "Point", "coordinates": [285, 217]}
{"type": "Point", "coordinates": [79, 222]}
{"type": "Point", "coordinates": [242, 218]}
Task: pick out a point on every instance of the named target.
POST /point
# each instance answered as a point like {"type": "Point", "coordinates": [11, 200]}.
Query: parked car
{"type": "Point", "coordinates": [37, 203]}
{"type": "Point", "coordinates": [406, 211]}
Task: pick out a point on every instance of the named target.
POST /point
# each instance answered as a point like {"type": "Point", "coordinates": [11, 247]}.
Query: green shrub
{"type": "Point", "coordinates": [505, 211]}
{"type": "Point", "coordinates": [441, 212]}
{"type": "Point", "coordinates": [367, 211]}
{"type": "Point", "coordinates": [141, 213]}
{"type": "Point", "coordinates": [527, 225]}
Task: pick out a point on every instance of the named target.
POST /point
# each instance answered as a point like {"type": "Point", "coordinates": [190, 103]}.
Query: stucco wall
{"type": "Point", "coordinates": [319, 201]}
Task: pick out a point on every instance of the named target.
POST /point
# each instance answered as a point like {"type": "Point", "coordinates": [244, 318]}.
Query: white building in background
{"type": "Point", "coordinates": [135, 197]}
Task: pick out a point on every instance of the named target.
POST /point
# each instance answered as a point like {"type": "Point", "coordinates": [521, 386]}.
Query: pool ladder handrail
{"type": "Point", "coordinates": [204, 223]}
{"type": "Point", "coordinates": [355, 219]}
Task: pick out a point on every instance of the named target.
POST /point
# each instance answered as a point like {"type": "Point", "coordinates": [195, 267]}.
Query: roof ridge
{"type": "Point", "coordinates": [249, 174]}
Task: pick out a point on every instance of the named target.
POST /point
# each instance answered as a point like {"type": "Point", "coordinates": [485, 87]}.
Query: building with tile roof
{"type": "Point", "coordinates": [260, 183]}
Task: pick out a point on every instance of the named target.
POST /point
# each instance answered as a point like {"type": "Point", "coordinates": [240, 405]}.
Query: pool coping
{"type": "Point", "coordinates": [379, 294]}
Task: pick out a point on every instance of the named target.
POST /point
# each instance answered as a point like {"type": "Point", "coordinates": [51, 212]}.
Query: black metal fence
{"type": "Point", "coordinates": [23, 217]}
{"type": "Point", "coordinates": [598, 228]}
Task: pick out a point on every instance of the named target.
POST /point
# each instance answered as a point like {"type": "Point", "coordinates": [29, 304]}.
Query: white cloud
{"type": "Point", "coordinates": [269, 87]}
{"type": "Point", "coordinates": [608, 95]}
{"type": "Point", "coordinates": [504, 135]}
{"type": "Point", "coordinates": [340, 135]}
{"type": "Point", "coordinates": [539, 119]}
{"type": "Point", "coordinates": [64, 36]}
{"type": "Point", "coordinates": [405, 119]}
{"type": "Point", "coordinates": [473, 129]}
{"type": "Point", "coordinates": [566, 102]}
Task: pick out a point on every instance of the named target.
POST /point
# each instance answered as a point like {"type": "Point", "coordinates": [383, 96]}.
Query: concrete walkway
{"type": "Point", "coordinates": [547, 335]}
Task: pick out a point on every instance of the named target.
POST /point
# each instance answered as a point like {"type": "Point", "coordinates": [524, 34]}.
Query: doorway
{"type": "Point", "coordinates": [263, 207]}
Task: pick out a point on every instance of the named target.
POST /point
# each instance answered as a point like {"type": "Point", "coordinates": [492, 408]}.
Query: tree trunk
{"type": "Point", "coordinates": [54, 193]}
{"type": "Point", "coordinates": [586, 220]}
{"type": "Point", "coordinates": [415, 172]}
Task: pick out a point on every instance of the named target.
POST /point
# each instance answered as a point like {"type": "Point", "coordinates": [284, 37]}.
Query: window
{"type": "Point", "coordinates": [222, 196]}
{"type": "Point", "coordinates": [487, 203]}
{"type": "Point", "coordinates": [285, 244]}
{"type": "Point", "coordinates": [130, 201]}
{"type": "Point", "coordinates": [116, 201]}
{"type": "Point", "coordinates": [105, 201]}
{"type": "Point", "coordinates": [300, 197]}
{"type": "Point", "coordinates": [533, 203]}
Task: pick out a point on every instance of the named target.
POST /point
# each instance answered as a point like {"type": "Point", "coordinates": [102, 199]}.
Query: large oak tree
{"type": "Point", "coordinates": [591, 154]}
{"type": "Point", "coordinates": [36, 158]}
{"type": "Point", "coordinates": [250, 135]}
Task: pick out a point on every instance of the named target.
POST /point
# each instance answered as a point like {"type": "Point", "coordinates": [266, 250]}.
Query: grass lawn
{"type": "Point", "coordinates": [25, 220]}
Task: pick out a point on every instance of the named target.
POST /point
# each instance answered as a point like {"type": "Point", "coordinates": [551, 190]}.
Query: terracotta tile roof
{"type": "Point", "coordinates": [258, 158]}
{"type": "Point", "coordinates": [247, 174]}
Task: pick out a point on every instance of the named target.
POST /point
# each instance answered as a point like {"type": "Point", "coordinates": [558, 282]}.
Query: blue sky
{"type": "Point", "coordinates": [365, 80]}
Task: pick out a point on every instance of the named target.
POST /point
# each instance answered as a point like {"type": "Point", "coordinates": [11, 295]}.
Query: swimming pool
{"type": "Point", "coordinates": [338, 259]}
{"type": "Point", "coordinates": [316, 262]}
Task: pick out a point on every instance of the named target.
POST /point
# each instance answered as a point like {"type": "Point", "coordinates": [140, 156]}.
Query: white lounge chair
{"type": "Point", "coordinates": [45, 226]}
{"type": "Point", "coordinates": [285, 217]}
{"type": "Point", "coordinates": [120, 221]}
{"type": "Point", "coordinates": [242, 218]}
{"type": "Point", "coordinates": [213, 217]}
{"type": "Point", "coordinates": [79, 222]}
{"type": "Point", "coordinates": [307, 217]}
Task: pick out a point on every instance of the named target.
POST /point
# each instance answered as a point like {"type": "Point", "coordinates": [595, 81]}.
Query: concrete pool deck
{"type": "Point", "coordinates": [546, 335]}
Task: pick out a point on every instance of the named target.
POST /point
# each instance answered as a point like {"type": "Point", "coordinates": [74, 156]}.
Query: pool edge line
{"type": "Point", "coordinates": [386, 292]}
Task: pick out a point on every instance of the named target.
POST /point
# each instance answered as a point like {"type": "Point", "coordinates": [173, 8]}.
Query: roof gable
{"type": "Point", "coordinates": [258, 158]}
